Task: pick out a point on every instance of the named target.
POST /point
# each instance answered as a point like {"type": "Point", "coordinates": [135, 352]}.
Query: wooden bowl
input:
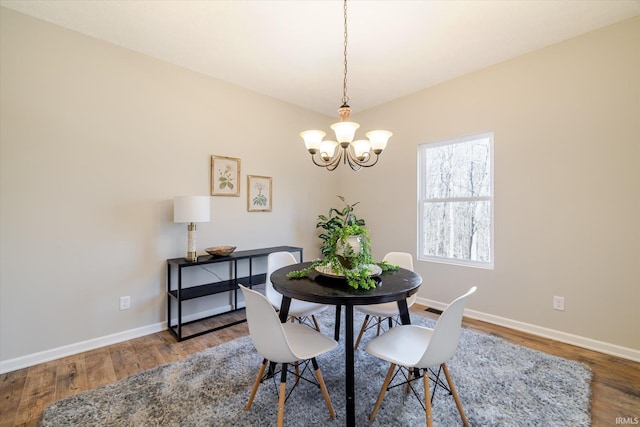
{"type": "Point", "coordinates": [220, 250]}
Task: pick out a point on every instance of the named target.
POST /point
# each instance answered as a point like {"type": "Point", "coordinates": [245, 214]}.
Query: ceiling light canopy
{"type": "Point", "coordinates": [357, 154]}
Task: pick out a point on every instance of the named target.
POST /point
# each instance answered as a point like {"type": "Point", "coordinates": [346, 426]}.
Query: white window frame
{"type": "Point", "coordinates": [423, 200]}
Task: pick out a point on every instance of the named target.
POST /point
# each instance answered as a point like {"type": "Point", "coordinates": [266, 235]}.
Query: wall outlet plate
{"type": "Point", "coordinates": [558, 303]}
{"type": "Point", "coordinates": [125, 303]}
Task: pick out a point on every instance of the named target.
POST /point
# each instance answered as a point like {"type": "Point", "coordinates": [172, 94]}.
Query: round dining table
{"type": "Point", "coordinates": [391, 286]}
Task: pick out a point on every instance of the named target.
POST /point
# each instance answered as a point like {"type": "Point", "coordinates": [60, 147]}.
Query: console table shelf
{"type": "Point", "coordinates": [181, 294]}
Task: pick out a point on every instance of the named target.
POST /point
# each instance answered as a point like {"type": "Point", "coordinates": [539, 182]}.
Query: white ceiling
{"type": "Point", "coordinates": [293, 50]}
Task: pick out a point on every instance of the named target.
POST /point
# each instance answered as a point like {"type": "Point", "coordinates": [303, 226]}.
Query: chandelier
{"type": "Point", "coordinates": [357, 154]}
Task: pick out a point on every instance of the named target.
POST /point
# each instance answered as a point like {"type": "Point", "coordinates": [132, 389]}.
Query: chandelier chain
{"type": "Point", "coordinates": [345, 98]}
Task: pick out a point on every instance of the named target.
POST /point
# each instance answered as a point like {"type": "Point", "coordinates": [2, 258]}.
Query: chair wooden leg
{"type": "Point", "coordinates": [256, 384]}
{"type": "Point", "coordinates": [383, 390]}
{"type": "Point", "coordinates": [409, 378]}
{"type": "Point", "coordinates": [323, 387]}
{"type": "Point", "coordinates": [364, 326]}
{"type": "Point", "coordinates": [297, 365]}
{"type": "Point", "coordinates": [283, 391]}
{"type": "Point", "coordinates": [427, 397]}
{"type": "Point", "coordinates": [378, 329]}
{"type": "Point", "coordinates": [454, 392]}
{"type": "Point", "coordinates": [315, 322]}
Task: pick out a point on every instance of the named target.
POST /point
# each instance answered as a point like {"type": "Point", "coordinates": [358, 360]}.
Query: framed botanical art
{"type": "Point", "coordinates": [259, 193]}
{"type": "Point", "coordinates": [225, 176]}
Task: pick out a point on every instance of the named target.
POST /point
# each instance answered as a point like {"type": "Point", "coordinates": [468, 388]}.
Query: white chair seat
{"type": "Point", "coordinates": [403, 345]}
{"type": "Point", "coordinates": [306, 342]}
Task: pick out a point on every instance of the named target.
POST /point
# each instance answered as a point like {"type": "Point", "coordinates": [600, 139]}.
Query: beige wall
{"type": "Point", "coordinates": [567, 183]}
{"type": "Point", "coordinates": [96, 140]}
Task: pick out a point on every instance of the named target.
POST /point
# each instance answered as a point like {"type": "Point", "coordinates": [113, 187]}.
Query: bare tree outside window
{"type": "Point", "coordinates": [456, 200]}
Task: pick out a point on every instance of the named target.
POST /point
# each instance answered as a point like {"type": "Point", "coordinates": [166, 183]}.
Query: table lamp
{"type": "Point", "coordinates": [191, 209]}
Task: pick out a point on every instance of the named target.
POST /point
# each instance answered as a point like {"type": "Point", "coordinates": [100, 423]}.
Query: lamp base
{"type": "Point", "coordinates": [191, 243]}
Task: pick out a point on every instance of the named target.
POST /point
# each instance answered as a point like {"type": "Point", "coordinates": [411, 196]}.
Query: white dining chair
{"type": "Point", "coordinates": [414, 348]}
{"type": "Point", "coordinates": [376, 314]}
{"type": "Point", "coordinates": [299, 310]}
{"type": "Point", "coordinates": [284, 343]}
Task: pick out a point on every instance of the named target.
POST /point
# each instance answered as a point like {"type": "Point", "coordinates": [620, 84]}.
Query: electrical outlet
{"type": "Point", "coordinates": [558, 303]}
{"type": "Point", "coordinates": [125, 303]}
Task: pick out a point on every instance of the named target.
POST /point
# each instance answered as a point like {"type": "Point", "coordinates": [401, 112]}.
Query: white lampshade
{"type": "Point", "coordinates": [312, 138]}
{"type": "Point", "coordinates": [345, 131]}
{"type": "Point", "coordinates": [191, 209]}
{"type": "Point", "coordinates": [379, 139]}
{"type": "Point", "coordinates": [328, 148]}
{"type": "Point", "coordinates": [361, 147]}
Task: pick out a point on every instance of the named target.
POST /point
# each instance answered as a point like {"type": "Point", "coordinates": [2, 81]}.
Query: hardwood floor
{"type": "Point", "coordinates": [27, 392]}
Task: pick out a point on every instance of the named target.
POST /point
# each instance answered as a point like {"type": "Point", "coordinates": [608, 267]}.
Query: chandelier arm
{"type": "Point", "coordinates": [335, 161]}
{"type": "Point", "coordinates": [332, 167]}
{"type": "Point", "coordinates": [362, 163]}
{"type": "Point", "coordinates": [354, 158]}
{"type": "Point", "coordinates": [371, 164]}
{"type": "Point", "coordinates": [313, 159]}
{"type": "Point", "coordinates": [330, 164]}
{"type": "Point", "coordinates": [353, 164]}
{"type": "Point", "coordinates": [323, 163]}
{"type": "Point", "coordinates": [365, 159]}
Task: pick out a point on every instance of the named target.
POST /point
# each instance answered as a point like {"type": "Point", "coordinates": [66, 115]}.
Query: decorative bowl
{"type": "Point", "coordinates": [220, 250]}
{"type": "Point", "coordinates": [326, 270]}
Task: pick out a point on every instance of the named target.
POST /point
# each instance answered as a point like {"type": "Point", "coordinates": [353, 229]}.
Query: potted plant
{"type": "Point", "coordinates": [344, 236]}
{"type": "Point", "coordinates": [346, 248]}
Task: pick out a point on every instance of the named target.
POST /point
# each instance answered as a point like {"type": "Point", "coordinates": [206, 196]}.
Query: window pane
{"type": "Point", "coordinates": [458, 170]}
{"type": "Point", "coordinates": [458, 230]}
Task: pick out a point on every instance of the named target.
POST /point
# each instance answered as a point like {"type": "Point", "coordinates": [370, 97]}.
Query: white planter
{"type": "Point", "coordinates": [348, 249]}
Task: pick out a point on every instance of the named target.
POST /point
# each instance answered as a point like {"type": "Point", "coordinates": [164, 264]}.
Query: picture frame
{"type": "Point", "coordinates": [225, 176]}
{"type": "Point", "coordinates": [259, 193]}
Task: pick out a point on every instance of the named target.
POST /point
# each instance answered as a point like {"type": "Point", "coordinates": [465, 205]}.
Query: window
{"type": "Point", "coordinates": [456, 201]}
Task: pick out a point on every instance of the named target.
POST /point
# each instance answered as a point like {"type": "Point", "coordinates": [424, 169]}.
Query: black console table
{"type": "Point", "coordinates": [180, 294]}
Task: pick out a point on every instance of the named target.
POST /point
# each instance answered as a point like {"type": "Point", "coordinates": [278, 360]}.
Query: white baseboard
{"type": "Point", "coordinates": [579, 341]}
{"type": "Point", "coordinates": [79, 347]}
{"type": "Point", "coordinates": [71, 349]}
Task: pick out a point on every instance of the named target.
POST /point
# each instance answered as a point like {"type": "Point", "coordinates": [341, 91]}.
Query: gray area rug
{"type": "Point", "coordinates": [500, 384]}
